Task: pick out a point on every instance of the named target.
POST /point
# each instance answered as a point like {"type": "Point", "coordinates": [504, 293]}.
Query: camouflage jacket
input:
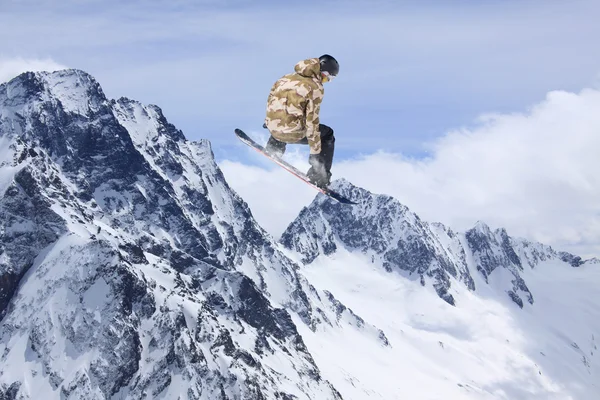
{"type": "Point", "coordinates": [294, 103]}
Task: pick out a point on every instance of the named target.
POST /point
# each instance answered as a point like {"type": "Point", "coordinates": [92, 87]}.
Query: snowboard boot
{"type": "Point", "coordinates": [319, 179]}
{"type": "Point", "coordinates": [275, 148]}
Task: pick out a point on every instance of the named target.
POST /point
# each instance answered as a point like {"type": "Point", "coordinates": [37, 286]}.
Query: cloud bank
{"type": "Point", "coordinates": [536, 173]}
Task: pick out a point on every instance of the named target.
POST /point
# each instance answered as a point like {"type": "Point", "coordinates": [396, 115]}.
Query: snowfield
{"type": "Point", "coordinates": [484, 348]}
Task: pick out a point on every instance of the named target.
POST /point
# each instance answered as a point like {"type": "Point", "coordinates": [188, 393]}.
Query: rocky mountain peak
{"type": "Point", "coordinates": [388, 233]}
{"type": "Point", "coordinates": [122, 245]}
{"type": "Point", "coordinates": [379, 227]}
{"type": "Point", "coordinates": [74, 90]}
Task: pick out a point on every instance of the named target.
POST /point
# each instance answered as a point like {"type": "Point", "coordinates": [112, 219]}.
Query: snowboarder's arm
{"type": "Point", "coordinates": [313, 107]}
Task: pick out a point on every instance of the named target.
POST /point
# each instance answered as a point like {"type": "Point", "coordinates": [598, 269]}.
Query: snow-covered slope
{"type": "Point", "coordinates": [130, 269]}
{"type": "Point", "coordinates": [519, 320]}
{"type": "Point", "coordinates": [485, 347]}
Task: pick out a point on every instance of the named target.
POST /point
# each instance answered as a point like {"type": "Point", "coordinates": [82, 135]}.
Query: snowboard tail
{"type": "Point", "coordinates": [290, 168]}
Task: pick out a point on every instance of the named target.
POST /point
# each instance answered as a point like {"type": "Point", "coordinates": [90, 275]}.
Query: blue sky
{"type": "Point", "coordinates": [410, 71]}
{"type": "Point", "coordinates": [463, 110]}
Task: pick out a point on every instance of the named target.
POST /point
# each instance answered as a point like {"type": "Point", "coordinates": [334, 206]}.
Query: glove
{"type": "Point", "coordinates": [317, 173]}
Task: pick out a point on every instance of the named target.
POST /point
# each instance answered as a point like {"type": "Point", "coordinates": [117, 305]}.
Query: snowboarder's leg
{"type": "Point", "coordinates": [327, 146]}
{"type": "Point", "coordinates": [326, 155]}
{"type": "Point", "coordinates": [275, 147]}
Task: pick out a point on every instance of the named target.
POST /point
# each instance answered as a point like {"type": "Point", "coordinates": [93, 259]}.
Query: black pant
{"type": "Point", "coordinates": [277, 147]}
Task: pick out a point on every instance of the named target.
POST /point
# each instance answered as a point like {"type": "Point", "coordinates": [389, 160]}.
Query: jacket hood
{"type": "Point", "coordinates": [310, 68]}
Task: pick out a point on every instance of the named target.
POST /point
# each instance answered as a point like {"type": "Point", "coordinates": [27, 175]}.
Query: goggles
{"type": "Point", "coordinates": [327, 77]}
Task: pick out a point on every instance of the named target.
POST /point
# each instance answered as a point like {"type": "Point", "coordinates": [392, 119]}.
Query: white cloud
{"type": "Point", "coordinates": [11, 67]}
{"type": "Point", "coordinates": [536, 173]}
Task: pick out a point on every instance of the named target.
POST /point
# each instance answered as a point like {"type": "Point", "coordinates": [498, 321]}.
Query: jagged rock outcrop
{"type": "Point", "coordinates": [390, 234]}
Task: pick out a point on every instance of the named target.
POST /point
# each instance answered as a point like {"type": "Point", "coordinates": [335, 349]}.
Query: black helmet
{"type": "Point", "coordinates": [329, 64]}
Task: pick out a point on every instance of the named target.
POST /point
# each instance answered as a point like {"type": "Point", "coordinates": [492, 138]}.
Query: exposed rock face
{"type": "Point", "coordinates": [128, 267]}
{"type": "Point", "coordinates": [390, 234]}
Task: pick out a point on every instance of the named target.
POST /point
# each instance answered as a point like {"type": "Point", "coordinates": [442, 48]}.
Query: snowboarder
{"type": "Point", "coordinates": [293, 115]}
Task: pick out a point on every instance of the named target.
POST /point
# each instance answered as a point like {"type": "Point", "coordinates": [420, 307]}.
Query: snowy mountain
{"type": "Point", "coordinates": [129, 269]}
{"type": "Point", "coordinates": [519, 320]}
{"type": "Point", "coordinates": [396, 238]}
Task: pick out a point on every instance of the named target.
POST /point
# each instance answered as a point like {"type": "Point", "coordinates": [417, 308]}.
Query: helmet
{"type": "Point", "coordinates": [329, 65]}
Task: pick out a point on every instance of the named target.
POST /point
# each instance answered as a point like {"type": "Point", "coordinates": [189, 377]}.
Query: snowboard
{"type": "Point", "coordinates": [290, 168]}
